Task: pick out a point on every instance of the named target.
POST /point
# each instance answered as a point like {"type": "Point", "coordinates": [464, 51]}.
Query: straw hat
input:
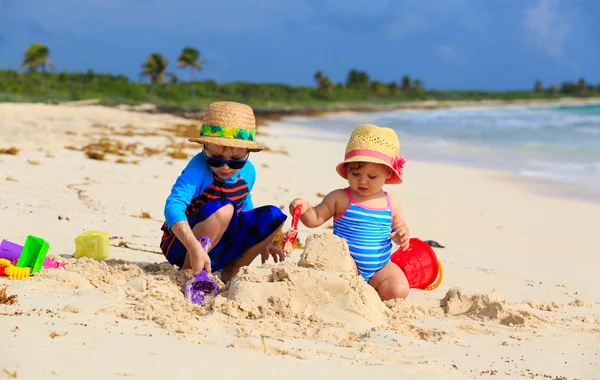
{"type": "Point", "coordinates": [229, 124]}
{"type": "Point", "coordinates": [370, 143]}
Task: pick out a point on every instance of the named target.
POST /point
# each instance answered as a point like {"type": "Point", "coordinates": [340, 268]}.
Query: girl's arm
{"type": "Point", "coordinates": [313, 217]}
{"type": "Point", "coordinates": [399, 233]}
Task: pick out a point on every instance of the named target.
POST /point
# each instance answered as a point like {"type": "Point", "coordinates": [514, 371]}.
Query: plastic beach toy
{"type": "Point", "coordinates": [290, 237]}
{"type": "Point", "coordinates": [9, 270]}
{"type": "Point", "coordinates": [10, 251]}
{"type": "Point", "coordinates": [420, 265]}
{"type": "Point", "coordinates": [92, 244]}
{"type": "Point", "coordinates": [51, 263]}
{"type": "Point", "coordinates": [33, 254]}
{"type": "Point", "coordinates": [201, 285]}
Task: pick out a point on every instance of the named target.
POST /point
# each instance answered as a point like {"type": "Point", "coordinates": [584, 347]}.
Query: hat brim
{"type": "Point", "coordinates": [341, 168]}
{"type": "Point", "coordinates": [233, 143]}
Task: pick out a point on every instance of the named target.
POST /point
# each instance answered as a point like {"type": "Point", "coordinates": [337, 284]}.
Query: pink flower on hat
{"type": "Point", "coordinates": [398, 164]}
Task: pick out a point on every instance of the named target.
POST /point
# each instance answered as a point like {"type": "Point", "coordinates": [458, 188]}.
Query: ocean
{"type": "Point", "coordinates": [559, 144]}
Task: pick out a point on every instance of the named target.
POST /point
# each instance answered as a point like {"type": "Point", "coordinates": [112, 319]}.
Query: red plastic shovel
{"type": "Point", "coordinates": [290, 237]}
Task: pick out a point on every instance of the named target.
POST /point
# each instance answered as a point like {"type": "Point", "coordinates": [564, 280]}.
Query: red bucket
{"type": "Point", "coordinates": [420, 265]}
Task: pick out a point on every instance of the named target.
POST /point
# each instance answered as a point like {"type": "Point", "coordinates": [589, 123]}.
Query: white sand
{"type": "Point", "coordinates": [526, 267]}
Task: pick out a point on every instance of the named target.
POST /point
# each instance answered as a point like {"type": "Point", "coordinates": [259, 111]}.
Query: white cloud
{"type": "Point", "coordinates": [407, 24]}
{"type": "Point", "coordinates": [449, 54]}
{"type": "Point", "coordinates": [414, 17]}
{"type": "Point", "coordinates": [546, 27]}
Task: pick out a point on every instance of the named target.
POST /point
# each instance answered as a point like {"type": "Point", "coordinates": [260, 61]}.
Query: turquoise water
{"type": "Point", "coordinates": [560, 143]}
{"type": "Point", "coordinates": [590, 109]}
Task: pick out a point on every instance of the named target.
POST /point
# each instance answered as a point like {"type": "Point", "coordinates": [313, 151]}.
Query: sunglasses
{"type": "Point", "coordinates": [218, 162]}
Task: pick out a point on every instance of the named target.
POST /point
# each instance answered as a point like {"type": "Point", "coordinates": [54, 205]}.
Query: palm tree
{"type": "Point", "coordinates": [581, 87]}
{"type": "Point", "coordinates": [324, 84]}
{"type": "Point", "coordinates": [418, 87]}
{"type": "Point", "coordinates": [358, 79]}
{"type": "Point", "coordinates": [537, 86]}
{"type": "Point", "coordinates": [189, 57]}
{"type": "Point", "coordinates": [155, 68]}
{"type": "Point", "coordinates": [406, 83]}
{"type": "Point", "coordinates": [36, 56]}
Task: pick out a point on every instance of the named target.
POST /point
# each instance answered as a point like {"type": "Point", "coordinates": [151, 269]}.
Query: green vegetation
{"type": "Point", "coordinates": [164, 89]}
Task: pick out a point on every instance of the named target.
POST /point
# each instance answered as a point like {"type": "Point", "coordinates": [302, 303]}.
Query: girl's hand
{"type": "Point", "coordinates": [401, 237]}
{"type": "Point", "coordinates": [299, 201]}
{"type": "Point", "coordinates": [271, 250]}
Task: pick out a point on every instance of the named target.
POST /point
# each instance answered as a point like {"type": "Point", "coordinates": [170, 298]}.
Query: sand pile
{"type": "Point", "coordinates": [327, 252]}
{"type": "Point", "coordinates": [142, 292]}
{"type": "Point", "coordinates": [486, 307]}
{"type": "Point", "coordinates": [322, 287]}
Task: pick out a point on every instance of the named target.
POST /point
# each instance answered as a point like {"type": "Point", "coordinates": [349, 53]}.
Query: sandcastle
{"type": "Point", "coordinates": [322, 286]}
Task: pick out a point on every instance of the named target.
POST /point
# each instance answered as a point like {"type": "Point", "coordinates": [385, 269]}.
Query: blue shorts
{"type": "Point", "coordinates": [245, 230]}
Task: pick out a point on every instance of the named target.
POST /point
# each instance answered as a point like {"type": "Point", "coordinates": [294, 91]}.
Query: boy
{"type": "Point", "coordinates": [212, 199]}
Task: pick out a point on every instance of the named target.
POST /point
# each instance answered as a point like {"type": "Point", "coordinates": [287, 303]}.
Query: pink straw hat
{"type": "Point", "coordinates": [370, 143]}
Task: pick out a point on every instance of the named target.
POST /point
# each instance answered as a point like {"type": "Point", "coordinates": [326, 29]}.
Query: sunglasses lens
{"type": "Point", "coordinates": [214, 162]}
{"type": "Point", "coordinates": [218, 162]}
{"type": "Point", "coordinates": [236, 164]}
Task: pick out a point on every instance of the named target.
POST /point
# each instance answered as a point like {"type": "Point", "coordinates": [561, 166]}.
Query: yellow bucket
{"type": "Point", "coordinates": [93, 244]}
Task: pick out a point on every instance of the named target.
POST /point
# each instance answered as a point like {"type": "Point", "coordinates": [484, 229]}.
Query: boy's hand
{"type": "Point", "coordinates": [299, 201]}
{"type": "Point", "coordinates": [401, 237]}
{"type": "Point", "coordinates": [199, 260]}
{"type": "Point", "coordinates": [271, 250]}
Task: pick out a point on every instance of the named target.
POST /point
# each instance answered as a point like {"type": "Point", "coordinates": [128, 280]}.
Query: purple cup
{"type": "Point", "coordinates": [10, 251]}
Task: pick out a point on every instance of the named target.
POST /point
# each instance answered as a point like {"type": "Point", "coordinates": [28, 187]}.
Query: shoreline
{"type": "Point", "coordinates": [267, 114]}
{"type": "Point", "coordinates": [546, 187]}
{"type": "Point", "coordinates": [539, 185]}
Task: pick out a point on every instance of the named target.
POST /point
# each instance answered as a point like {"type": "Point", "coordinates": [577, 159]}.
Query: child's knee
{"type": "Point", "coordinates": [399, 290]}
{"type": "Point", "coordinates": [224, 214]}
{"type": "Point", "coordinates": [393, 288]}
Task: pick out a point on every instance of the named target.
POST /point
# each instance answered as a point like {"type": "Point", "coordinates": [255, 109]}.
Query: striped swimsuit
{"type": "Point", "coordinates": [367, 232]}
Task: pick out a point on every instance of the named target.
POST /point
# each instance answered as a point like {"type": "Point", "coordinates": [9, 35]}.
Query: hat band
{"type": "Point", "coordinates": [209, 130]}
{"type": "Point", "coordinates": [369, 153]}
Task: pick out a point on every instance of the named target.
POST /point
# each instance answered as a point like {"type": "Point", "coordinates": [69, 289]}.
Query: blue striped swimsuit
{"type": "Point", "coordinates": [367, 232]}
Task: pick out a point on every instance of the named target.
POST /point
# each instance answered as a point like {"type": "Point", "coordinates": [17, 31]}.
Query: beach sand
{"type": "Point", "coordinates": [519, 296]}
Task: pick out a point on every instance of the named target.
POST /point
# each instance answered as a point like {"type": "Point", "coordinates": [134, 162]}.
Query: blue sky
{"type": "Point", "coordinates": [448, 44]}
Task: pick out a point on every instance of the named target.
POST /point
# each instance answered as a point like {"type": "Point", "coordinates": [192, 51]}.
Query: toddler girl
{"type": "Point", "coordinates": [363, 214]}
